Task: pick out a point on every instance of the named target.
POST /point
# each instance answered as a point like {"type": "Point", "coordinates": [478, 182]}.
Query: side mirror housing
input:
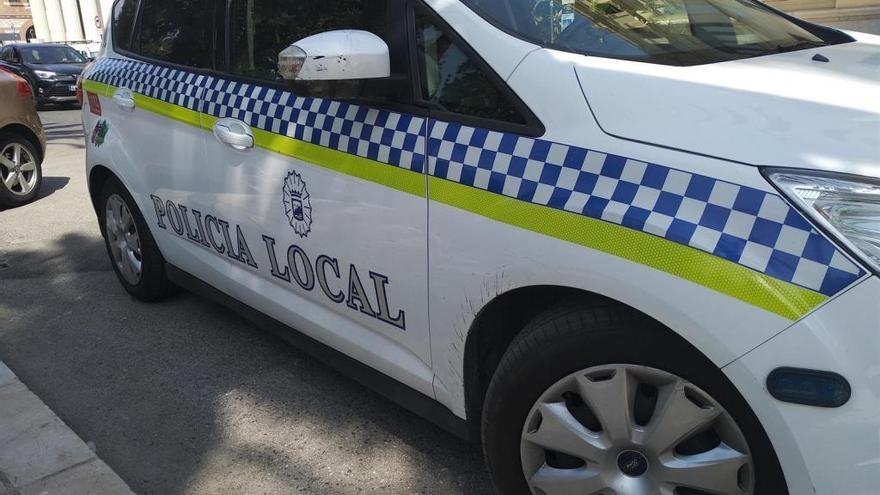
{"type": "Point", "coordinates": [336, 56]}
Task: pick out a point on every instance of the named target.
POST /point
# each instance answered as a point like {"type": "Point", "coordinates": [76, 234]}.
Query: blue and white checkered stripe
{"type": "Point", "coordinates": [388, 137]}
{"type": "Point", "coordinates": [162, 83]}
{"type": "Point", "coordinates": [748, 226]}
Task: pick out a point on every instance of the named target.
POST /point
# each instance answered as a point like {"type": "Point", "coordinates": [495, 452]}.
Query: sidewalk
{"type": "Point", "coordinates": [40, 455]}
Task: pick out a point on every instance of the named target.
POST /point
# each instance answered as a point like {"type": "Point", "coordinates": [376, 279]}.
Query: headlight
{"type": "Point", "coordinates": [847, 207]}
{"type": "Point", "coordinates": [44, 74]}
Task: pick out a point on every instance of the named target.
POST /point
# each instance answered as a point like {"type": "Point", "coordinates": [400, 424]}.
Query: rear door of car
{"type": "Point", "coordinates": [327, 211]}
{"type": "Point", "coordinates": [147, 120]}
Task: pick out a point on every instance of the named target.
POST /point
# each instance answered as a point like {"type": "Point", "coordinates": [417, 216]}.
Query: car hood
{"type": "Point", "coordinates": [66, 69]}
{"type": "Point", "coordinates": [784, 110]}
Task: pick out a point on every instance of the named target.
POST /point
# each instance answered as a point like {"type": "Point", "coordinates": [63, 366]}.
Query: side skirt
{"type": "Point", "coordinates": [384, 385]}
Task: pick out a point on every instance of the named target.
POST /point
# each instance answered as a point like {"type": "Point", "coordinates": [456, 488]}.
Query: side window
{"type": "Point", "coordinates": [451, 80]}
{"type": "Point", "coordinates": [4, 54]}
{"type": "Point", "coordinates": [178, 31]}
{"type": "Point", "coordinates": [261, 29]}
{"type": "Point", "coordinates": [124, 13]}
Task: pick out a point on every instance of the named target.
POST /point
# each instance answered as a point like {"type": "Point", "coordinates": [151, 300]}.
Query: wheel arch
{"type": "Point", "coordinates": [498, 323]}
{"type": "Point", "coordinates": [98, 175]}
{"type": "Point", "coordinates": [26, 133]}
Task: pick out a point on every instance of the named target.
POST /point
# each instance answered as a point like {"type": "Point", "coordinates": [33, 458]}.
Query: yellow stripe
{"type": "Point", "coordinates": [782, 298]}
{"type": "Point", "coordinates": [779, 297]}
{"type": "Point", "coordinates": [363, 168]}
{"type": "Point", "coordinates": [99, 89]}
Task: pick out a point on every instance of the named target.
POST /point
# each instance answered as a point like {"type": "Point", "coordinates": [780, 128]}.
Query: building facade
{"type": "Point", "coordinates": [856, 15]}
{"type": "Point", "coordinates": [53, 20]}
{"type": "Point", "coordinates": [15, 21]}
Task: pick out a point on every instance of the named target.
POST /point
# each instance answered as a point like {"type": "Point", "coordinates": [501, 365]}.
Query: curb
{"type": "Point", "coordinates": [40, 455]}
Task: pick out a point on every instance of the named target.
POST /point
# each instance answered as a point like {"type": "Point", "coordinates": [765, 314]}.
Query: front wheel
{"type": "Point", "coordinates": [602, 400]}
{"type": "Point", "coordinates": [136, 259]}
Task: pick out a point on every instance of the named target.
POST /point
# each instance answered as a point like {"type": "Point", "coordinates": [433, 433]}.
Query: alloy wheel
{"type": "Point", "coordinates": [123, 239]}
{"type": "Point", "coordinates": [18, 169]}
{"type": "Point", "coordinates": [633, 430]}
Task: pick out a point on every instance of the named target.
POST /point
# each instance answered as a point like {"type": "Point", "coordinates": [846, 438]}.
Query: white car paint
{"type": "Point", "coordinates": [444, 264]}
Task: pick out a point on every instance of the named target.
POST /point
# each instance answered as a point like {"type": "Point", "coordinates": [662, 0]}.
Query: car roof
{"type": "Point", "coordinates": [36, 45]}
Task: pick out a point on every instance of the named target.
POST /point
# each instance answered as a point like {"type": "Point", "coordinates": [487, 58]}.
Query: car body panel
{"type": "Point", "coordinates": [489, 212]}
{"type": "Point", "coordinates": [749, 110]}
{"type": "Point", "coordinates": [19, 110]}
{"type": "Point", "coordinates": [824, 450]}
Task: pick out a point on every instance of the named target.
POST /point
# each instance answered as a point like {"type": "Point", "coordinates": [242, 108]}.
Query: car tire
{"type": "Point", "coordinates": [133, 252]}
{"type": "Point", "coordinates": [19, 185]}
{"type": "Point", "coordinates": [560, 348]}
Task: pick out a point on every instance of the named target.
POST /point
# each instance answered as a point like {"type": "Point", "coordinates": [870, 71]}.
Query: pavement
{"type": "Point", "coordinates": [184, 396]}
{"type": "Point", "coordinates": [41, 455]}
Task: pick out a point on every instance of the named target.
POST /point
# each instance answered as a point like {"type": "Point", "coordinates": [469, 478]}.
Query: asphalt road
{"type": "Point", "coordinates": [183, 396]}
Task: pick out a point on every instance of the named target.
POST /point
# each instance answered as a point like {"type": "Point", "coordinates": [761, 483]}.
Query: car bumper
{"type": "Point", "coordinates": [61, 91]}
{"type": "Point", "coordinates": [823, 450]}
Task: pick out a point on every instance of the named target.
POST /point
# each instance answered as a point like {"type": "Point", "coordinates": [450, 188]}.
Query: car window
{"type": "Point", "coordinates": [44, 55]}
{"type": "Point", "coordinates": [177, 31]}
{"type": "Point", "coordinates": [261, 29]}
{"type": "Point", "coordinates": [453, 81]}
{"type": "Point", "coordinates": [672, 32]}
{"type": "Point", "coordinates": [123, 23]}
{"type": "Point", "coordinates": [4, 54]}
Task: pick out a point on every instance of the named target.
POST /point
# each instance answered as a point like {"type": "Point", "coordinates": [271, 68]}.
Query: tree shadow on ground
{"type": "Point", "coordinates": [183, 396]}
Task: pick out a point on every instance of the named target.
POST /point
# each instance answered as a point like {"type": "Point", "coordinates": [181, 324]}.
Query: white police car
{"type": "Point", "coordinates": [631, 245]}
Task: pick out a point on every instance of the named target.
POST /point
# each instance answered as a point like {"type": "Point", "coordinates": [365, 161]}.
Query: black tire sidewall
{"type": "Point", "coordinates": [153, 284]}
{"type": "Point", "coordinates": [525, 375]}
{"type": "Point", "coordinates": [7, 198]}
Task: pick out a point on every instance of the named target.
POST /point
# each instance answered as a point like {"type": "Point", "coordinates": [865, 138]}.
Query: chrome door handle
{"type": "Point", "coordinates": [234, 133]}
{"type": "Point", "coordinates": [124, 99]}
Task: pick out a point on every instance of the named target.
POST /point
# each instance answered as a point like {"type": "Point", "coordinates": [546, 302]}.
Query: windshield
{"type": "Point", "coordinates": [44, 55]}
{"type": "Point", "coordinates": [672, 32]}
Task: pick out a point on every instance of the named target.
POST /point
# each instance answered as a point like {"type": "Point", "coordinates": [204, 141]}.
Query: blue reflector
{"type": "Point", "coordinates": [808, 387]}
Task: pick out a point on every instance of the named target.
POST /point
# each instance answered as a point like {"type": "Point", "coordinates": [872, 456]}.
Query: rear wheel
{"type": "Point", "coordinates": [21, 174]}
{"type": "Point", "coordinates": [136, 259]}
{"type": "Point", "coordinates": [604, 401]}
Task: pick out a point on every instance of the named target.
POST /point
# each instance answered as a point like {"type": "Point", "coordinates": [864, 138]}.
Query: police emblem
{"type": "Point", "coordinates": [297, 204]}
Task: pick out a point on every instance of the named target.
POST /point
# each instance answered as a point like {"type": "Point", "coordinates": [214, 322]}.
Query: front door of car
{"type": "Point", "coordinates": [319, 205]}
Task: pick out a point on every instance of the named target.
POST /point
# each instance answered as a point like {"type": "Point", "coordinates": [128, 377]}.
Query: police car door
{"type": "Point", "coordinates": [320, 217]}
{"type": "Point", "coordinates": [143, 101]}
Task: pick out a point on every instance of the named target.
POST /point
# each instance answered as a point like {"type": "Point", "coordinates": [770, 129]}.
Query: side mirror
{"type": "Point", "coordinates": [336, 56]}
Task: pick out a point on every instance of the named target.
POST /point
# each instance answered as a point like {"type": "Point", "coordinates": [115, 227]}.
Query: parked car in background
{"type": "Point", "coordinates": [50, 69]}
{"type": "Point", "coordinates": [22, 142]}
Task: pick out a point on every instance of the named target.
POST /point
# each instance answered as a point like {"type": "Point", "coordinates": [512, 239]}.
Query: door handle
{"type": "Point", "coordinates": [234, 133]}
{"type": "Point", "coordinates": [124, 99]}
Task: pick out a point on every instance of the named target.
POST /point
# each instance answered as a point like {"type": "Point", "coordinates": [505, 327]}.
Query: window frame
{"type": "Point", "coordinates": [222, 55]}
{"type": "Point", "coordinates": [408, 106]}
{"type": "Point", "coordinates": [134, 43]}
{"type": "Point", "coordinates": [134, 25]}
{"type": "Point", "coordinates": [533, 126]}
{"type": "Point", "coordinates": [834, 36]}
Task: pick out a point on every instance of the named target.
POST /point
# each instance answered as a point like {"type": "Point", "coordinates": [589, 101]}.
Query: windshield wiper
{"type": "Point", "coordinates": [800, 45]}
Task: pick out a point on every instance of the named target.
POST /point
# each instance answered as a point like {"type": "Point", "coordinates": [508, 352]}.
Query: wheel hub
{"type": "Point", "coordinates": [632, 429]}
{"type": "Point", "coordinates": [123, 239]}
{"type": "Point", "coordinates": [18, 169]}
{"type": "Point", "coordinates": [632, 463]}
